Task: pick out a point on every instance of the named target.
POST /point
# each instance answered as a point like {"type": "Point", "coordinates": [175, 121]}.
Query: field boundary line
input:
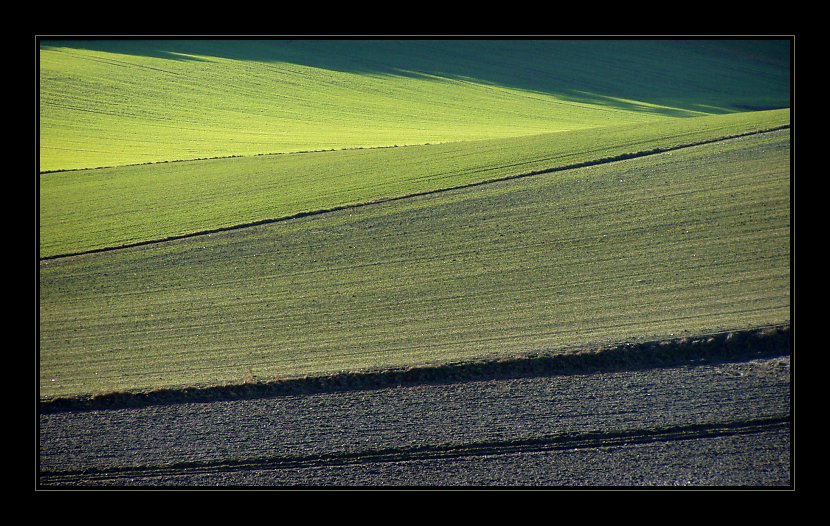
{"type": "Point", "coordinates": [299, 215]}
{"type": "Point", "coordinates": [560, 442]}
{"type": "Point", "coordinates": [702, 349]}
{"type": "Point", "coordinates": [237, 156]}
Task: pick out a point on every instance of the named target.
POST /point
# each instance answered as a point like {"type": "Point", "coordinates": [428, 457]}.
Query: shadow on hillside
{"type": "Point", "coordinates": [697, 75]}
{"type": "Point", "coordinates": [704, 350]}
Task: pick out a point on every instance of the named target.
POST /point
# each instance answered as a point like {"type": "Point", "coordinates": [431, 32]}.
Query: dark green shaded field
{"type": "Point", "coordinates": [474, 263]}
{"type": "Point", "coordinates": [739, 73]}
{"type": "Point", "coordinates": [116, 102]}
{"type": "Point", "coordinates": [690, 241]}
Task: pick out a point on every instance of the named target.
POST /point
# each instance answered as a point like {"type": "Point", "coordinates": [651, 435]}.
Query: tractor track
{"type": "Point", "coordinates": [311, 213]}
{"type": "Point", "coordinates": [703, 423]}
{"type": "Point", "coordinates": [574, 441]}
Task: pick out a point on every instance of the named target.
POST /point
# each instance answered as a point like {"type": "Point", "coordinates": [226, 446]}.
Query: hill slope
{"type": "Point", "coordinates": [106, 103]}
{"type": "Point", "coordinates": [692, 240]}
{"type": "Point", "coordinates": [94, 209]}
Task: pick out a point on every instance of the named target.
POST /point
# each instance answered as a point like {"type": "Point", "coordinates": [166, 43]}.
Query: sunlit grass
{"type": "Point", "coordinates": [686, 242]}
{"type": "Point", "coordinates": [112, 103]}
{"type": "Point", "coordinates": [92, 209]}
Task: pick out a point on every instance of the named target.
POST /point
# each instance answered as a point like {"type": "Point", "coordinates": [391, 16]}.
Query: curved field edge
{"type": "Point", "coordinates": [298, 215]}
{"type": "Point", "coordinates": [102, 108]}
{"type": "Point", "coordinates": [723, 346]}
{"type": "Point", "coordinates": [86, 211]}
{"type": "Point", "coordinates": [114, 102]}
{"type": "Point", "coordinates": [691, 240]}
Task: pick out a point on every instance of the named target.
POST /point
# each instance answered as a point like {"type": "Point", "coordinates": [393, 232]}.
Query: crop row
{"type": "Point", "coordinates": [115, 102]}
{"type": "Point", "coordinates": [694, 240]}
{"type": "Point", "coordinates": [93, 209]}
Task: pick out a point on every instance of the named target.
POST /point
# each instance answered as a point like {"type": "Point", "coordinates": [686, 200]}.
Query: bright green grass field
{"type": "Point", "coordinates": [684, 242]}
{"type": "Point", "coordinates": [91, 209]}
{"type": "Point", "coordinates": [109, 103]}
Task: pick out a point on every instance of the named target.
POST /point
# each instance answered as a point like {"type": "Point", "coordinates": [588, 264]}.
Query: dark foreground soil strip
{"type": "Point", "coordinates": [700, 350]}
{"type": "Point", "coordinates": [604, 160]}
{"type": "Point", "coordinates": [570, 441]}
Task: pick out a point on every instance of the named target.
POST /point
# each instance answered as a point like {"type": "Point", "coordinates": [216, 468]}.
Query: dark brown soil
{"type": "Point", "coordinates": [705, 423]}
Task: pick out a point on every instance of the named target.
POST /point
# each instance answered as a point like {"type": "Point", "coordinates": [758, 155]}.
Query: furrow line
{"type": "Point", "coordinates": [561, 442]}
{"type": "Point", "coordinates": [299, 215]}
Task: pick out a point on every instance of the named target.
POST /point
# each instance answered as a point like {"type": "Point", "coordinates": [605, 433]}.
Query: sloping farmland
{"type": "Point", "coordinates": [688, 241]}
{"type": "Point", "coordinates": [690, 245]}
{"type": "Point", "coordinates": [116, 102]}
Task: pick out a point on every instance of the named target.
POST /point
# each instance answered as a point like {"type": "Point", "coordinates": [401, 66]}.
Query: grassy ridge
{"type": "Point", "coordinates": [107, 103]}
{"type": "Point", "coordinates": [91, 209]}
{"type": "Point", "coordinates": [683, 242]}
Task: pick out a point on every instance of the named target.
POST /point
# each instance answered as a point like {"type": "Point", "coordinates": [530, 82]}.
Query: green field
{"type": "Point", "coordinates": [468, 199]}
{"type": "Point", "coordinates": [94, 209]}
{"type": "Point", "coordinates": [683, 242]}
{"type": "Point", "coordinates": [109, 103]}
